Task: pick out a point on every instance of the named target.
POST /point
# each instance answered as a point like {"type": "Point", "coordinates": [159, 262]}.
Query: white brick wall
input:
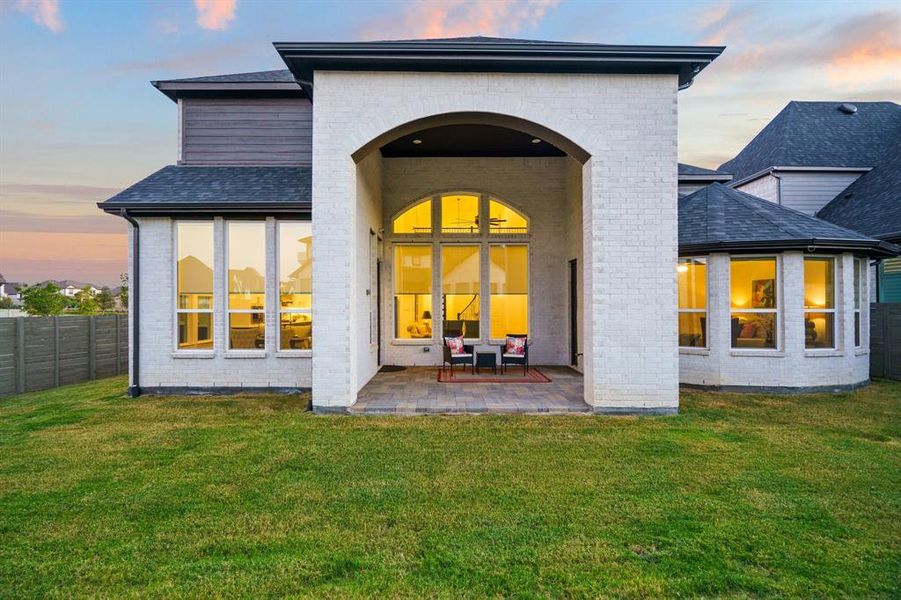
{"type": "Point", "coordinates": [791, 365]}
{"type": "Point", "coordinates": [766, 187]}
{"type": "Point", "coordinates": [627, 123]}
{"type": "Point", "coordinates": [161, 365]}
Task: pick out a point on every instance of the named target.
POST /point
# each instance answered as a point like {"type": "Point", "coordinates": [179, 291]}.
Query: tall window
{"type": "Point", "coordinates": [295, 285]}
{"type": "Point", "coordinates": [460, 268]}
{"type": "Point", "coordinates": [413, 292]}
{"type": "Point", "coordinates": [754, 301]}
{"type": "Point", "coordinates": [503, 220]}
{"type": "Point", "coordinates": [692, 276]}
{"type": "Point", "coordinates": [509, 301]}
{"type": "Point", "coordinates": [819, 302]}
{"type": "Point", "coordinates": [460, 213]}
{"type": "Point", "coordinates": [417, 219]}
{"type": "Point", "coordinates": [246, 285]}
{"type": "Point", "coordinates": [194, 274]}
{"type": "Point", "coordinates": [860, 272]}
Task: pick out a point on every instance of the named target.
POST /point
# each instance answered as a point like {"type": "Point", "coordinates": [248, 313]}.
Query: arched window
{"type": "Point", "coordinates": [503, 220]}
{"type": "Point", "coordinates": [416, 220]}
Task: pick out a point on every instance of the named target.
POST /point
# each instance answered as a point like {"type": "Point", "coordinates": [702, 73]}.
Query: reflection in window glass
{"type": "Point", "coordinates": [194, 262]}
{"type": "Point", "coordinates": [460, 290]}
{"type": "Point", "coordinates": [460, 213]}
{"type": "Point", "coordinates": [819, 302]}
{"type": "Point", "coordinates": [754, 301]}
{"type": "Point", "coordinates": [246, 285]}
{"type": "Point", "coordinates": [860, 273]}
{"type": "Point", "coordinates": [503, 220]}
{"type": "Point", "coordinates": [691, 274]}
{"type": "Point", "coordinates": [413, 292]}
{"type": "Point", "coordinates": [416, 219]}
{"type": "Point", "coordinates": [509, 300]}
{"type": "Point", "coordinates": [295, 283]}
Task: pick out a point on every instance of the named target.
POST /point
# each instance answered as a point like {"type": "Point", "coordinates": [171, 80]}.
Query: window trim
{"type": "Point", "coordinates": [493, 340]}
{"type": "Point", "coordinates": [279, 311]}
{"type": "Point", "coordinates": [833, 311]}
{"type": "Point", "coordinates": [861, 269]}
{"type": "Point", "coordinates": [777, 325]}
{"type": "Point", "coordinates": [249, 352]}
{"type": "Point", "coordinates": [706, 310]}
{"type": "Point", "coordinates": [411, 341]}
{"type": "Point", "coordinates": [198, 352]}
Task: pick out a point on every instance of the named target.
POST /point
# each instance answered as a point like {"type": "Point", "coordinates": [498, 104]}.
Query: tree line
{"type": "Point", "coordinates": [47, 301]}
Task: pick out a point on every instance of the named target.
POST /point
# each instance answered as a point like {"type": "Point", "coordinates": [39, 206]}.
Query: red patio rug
{"type": "Point", "coordinates": [513, 375]}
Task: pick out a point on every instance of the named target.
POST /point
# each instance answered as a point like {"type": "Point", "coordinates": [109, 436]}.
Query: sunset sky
{"type": "Point", "coordinates": [79, 120]}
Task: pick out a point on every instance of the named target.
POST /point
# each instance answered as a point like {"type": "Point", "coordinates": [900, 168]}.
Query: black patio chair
{"type": "Point", "coordinates": [458, 359]}
{"type": "Point", "coordinates": [516, 359]}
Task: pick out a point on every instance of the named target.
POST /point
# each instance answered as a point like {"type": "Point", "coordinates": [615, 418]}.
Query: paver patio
{"type": "Point", "coordinates": [416, 390]}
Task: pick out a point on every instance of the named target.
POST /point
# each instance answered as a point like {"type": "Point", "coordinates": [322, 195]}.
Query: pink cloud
{"type": "Point", "coordinates": [453, 18]}
{"type": "Point", "coordinates": [43, 12]}
{"type": "Point", "coordinates": [215, 14]}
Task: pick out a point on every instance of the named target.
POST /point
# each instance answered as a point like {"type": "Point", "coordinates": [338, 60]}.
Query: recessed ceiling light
{"type": "Point", "coordinates": [536, 141]}
{"type": "Point", "coordinates": [417, 141]}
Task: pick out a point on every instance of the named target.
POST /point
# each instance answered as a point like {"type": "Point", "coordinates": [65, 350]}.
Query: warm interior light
{"type": "Point", "coordinates": [536, 141]}
{"type": "Point", "coordinates": [417, 141]}
{"type": "Point", "coordinates": [682, 268]}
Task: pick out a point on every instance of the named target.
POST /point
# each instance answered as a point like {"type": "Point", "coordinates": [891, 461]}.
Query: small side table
{"type": "Point", "coordinates": [486, 359]}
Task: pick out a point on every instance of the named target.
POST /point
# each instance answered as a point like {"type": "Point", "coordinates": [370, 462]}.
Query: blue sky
{"type": "Point", "coordinates": [79, 120]}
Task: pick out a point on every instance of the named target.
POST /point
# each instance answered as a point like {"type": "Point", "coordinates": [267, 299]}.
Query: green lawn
{"type": "Point", "coordinates": [739, 496]}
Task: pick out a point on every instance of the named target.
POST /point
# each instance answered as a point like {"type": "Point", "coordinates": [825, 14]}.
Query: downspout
{"type": "Point", "coordinates": [134, 297]}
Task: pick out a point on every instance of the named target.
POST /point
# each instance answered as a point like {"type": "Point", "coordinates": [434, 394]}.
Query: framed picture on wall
{"type": "Point", "coordinates": [763, 293]}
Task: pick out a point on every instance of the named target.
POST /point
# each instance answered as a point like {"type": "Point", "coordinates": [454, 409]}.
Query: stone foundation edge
{"type": "Point", "coordinates": [777, 389]}
{"type": "Point", "coordinates": [628, 411]}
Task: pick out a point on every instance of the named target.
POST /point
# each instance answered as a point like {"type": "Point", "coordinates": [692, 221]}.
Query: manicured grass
{"type": "Point", "coordinates": [739, 496]}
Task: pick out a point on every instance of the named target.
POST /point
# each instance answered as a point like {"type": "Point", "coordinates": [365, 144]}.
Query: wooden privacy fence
{"type": "Point", "coordinates": [37, 353]}
{"type": "Point", "coordinates": [885, 340]}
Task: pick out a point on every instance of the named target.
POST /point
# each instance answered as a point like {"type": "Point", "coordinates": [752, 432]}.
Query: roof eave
{"type": "Point", "coordinates": [205, 208]}
{"type": "Point", "coordinates": [870, 247]}
{"type": "Point", "coordinates": [174, 90]}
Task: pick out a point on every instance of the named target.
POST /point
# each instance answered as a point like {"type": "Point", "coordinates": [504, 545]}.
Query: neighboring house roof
{"type": "Point", "coordinates": [821, 134]}
{"type": "Point", "coordinates": [481, 54]}
{"type": "Point", "coordinates": [222, 189]}
{"type": "Point", "coordinates": [718, 218]}
{"type": "Point", "coordinates": [872, 204]}
{"type": "Point", "coordinates": [692, 173]}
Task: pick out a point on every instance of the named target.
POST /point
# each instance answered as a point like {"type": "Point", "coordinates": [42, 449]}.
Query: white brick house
{"type": "Point", "coordinates": [349, 212]}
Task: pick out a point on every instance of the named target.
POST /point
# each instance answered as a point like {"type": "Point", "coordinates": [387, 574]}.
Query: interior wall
{"type": "Point", "coordinates": [369, 222]}
{"type": "Point", "coordinates": [535, 186]}
{"type": "Point", "coordinates": [574, 249]}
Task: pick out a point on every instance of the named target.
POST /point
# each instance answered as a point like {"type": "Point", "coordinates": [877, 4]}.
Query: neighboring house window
{"type": "Point", "coordinates": [246, 285]}
{"type": "Point", "coordinates": [754, 300]}
{"type": "Point", "coordinates": [415, 220]}
{"type": "Point", "coordinates": [503, 220]}
{"type": "Point", "coordinates": [460, 214]}
{"type": "Point", "coordinates": [509, 278]}
{"type": "Point", "coordinates": [860, 271]}
{"type": "Point", "coordinates": [413, 292]}
{"type": "Point", "coordinates": [460, 281]}
{"type": "Point", "coordinates": [692, 276]}
{"type": "Point", "coordinates": [819, 302]}
{"type": "Point", "coordinates": [194, 284]}
{"type": "Point", "coordinates": [295, 285]}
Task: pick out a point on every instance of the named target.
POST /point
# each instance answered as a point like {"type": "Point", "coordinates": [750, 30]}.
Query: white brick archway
{"type": "Point", "coordinates": [626, 124]}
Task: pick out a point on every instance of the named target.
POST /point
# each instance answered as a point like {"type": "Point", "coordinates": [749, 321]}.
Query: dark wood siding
{"type": "Point", "coordinates": [263, 131]}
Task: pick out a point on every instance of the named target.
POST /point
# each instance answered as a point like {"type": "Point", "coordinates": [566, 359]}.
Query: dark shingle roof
{"type": "Point", "coordinates": [217, 187]}
{"type": "Point", "coordinates": [719, 218]}
{"type": "Point", "coordinates": [689, 171]}
{"type": "Point", "coordinates": [279, 76]}
{"type": "Point", "coordinates": [818, 134]}
{"type": "Point", "coordinates": [481, 39]}
{"type": "Point", "coordinates": [872, 204]}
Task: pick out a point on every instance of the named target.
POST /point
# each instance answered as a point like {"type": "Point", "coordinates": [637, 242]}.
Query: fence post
{"type": "Point", "coordinates": [55, 351]}
{"type": "Point", "coordinates": [92, 349]}
{"type": "Point", "coordinates": [118, 341]}
{"type": "Point", "coordinates": [20, 354]}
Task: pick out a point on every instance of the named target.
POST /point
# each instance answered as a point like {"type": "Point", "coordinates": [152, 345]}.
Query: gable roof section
{"type": "Point", "coordinates": [718, 218]}
{"type": "Point", "coordinates": [183, 189]}
{"type": "Point", "coordinates": [819, 134]}
{"type": "Point", "coordinates": [872, 204]}
{"type": "Point", "coordinates": [692, 173]}
{"type": "Point", "coordinates": [481, 54]}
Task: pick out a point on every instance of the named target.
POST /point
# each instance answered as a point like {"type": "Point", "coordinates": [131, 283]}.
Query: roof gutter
{"type": "Point", "coordinates": [875, 248]}
{"type": "Point", "coordinates": [773, 169]}
{"type": "Point", "coordinates": [134, 301]}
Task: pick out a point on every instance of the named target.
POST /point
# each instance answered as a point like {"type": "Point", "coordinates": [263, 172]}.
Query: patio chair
{"type": "Point", "coordinates": [462, 358]}
{"type": "Point", "coordinates": [508, 358]}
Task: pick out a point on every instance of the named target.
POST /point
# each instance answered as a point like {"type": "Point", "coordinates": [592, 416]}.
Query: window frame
{"type": "Point", "coordinates": [394, 272]}
{"type": "Point", "coordinates": [278, 291]}
{"type": "Point", "coordinates": [179, 311]}
{"type": "Point", "coordinates": [777, 323]}
{"type": "Point", "coordinates": [528, 294]}
{"type": "Point", "coordinates": [226, 233]}
{"type": "Point", "coordinates": [835, 295]}
{"type": "Point", "coordinates": [706, 309]}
